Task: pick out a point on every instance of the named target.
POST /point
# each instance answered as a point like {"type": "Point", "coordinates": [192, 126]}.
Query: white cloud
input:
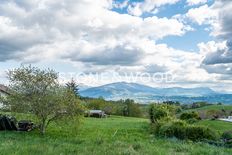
{"type": "Point", "coordinates": [151, 6]}
{"type": "Point", "coordinates": [88, 34]}
{"type": "Point", "coordinates": [135, 10]}
{"type": "Point", "coordinates": [92, 37]}
{"type": "Point", "coordinates": [215, 59]}
{"type": "Point", "coordinates": [196, 2]}
{"type": "Point", "coordinates": [120, 5]}
{"type": "Point", "coordinates": [202, 15]}
{"type": "Point", "coordinates": [217, 56]}
{"type": "Point", "coordinates": [211, 47]}
{"type": "Point", "coordinates": [81, 31]}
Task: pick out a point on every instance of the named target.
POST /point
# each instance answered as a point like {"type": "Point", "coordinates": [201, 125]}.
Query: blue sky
{"type": "Point", "coordinates": [99, 42]}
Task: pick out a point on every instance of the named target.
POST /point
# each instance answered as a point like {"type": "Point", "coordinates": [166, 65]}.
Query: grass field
{"type": "Point", "coordinates": [114, 135]}
{"type": "Point", "coordinates": [214, 107]}
{"type": "Point", "coordinates": [216, 124]}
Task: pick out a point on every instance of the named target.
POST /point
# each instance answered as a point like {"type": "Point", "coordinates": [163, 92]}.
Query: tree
{"type": "Point", "coordinates": [38, 92]}
{"type": "Point", "coordinates": [190, 115]}
{"type": "Point", "coordinates": [159, 111]}
{"type": "Point", "coordinates": [176, 103]}
{"type": "Point", "coordinates": [131, 108]}
{"type": "Point", "coordinates": [73, 86]}
{"type": "Point", "coordinates": [100, 104]}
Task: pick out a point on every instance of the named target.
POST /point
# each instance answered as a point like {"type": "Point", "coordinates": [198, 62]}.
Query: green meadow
{"type": "Point", "coordinates": [92, 136]}
{"type": "Point", "coordinates": [213, 107]}
{"type": "Point", "coordinates": [218, 125]}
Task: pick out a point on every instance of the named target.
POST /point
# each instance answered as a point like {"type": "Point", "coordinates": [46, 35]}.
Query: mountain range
{"type": "Point", "coordinates": [145, 94]}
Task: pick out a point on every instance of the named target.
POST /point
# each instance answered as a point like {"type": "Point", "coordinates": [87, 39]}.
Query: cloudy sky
{"type": "Point", "coordinates": [189, 40]}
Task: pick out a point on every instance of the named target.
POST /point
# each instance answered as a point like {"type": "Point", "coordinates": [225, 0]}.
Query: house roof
{"type": "Point", "coordinates": [95, 111]}
{"type": "Point", "coordinates": [4, 89]}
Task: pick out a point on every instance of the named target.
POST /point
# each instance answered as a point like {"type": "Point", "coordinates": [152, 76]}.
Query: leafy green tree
{"type": "Point", "coordinates": [38, 92]}
{"type": "Point", "coordinates": [131, 108]}
{"type": "Point", "coordinates": [159, 111]}
{"type": "Point", "coordinates": [190, 115]}
{"type": "Point", "coordinates": [172, 103]}
{"type": "Point", "coordinates": [100, 104]}
{"type": "Point", "coordinates": [73, 86]}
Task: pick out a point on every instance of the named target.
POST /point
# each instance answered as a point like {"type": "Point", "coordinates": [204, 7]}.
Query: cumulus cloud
{"type": "Point", "coordinates": [214, 59]}
{"type": "Point", "coordinates": [155, 68]}
{"type": "Point", "coordinates": [217, 57]}
{"type": "Point", "coordinates": [224, 30]}
{"type": "Point", "coordinates": [14, 40]}
{"type": "Point", "coordinates": [104, 55]}
{"type": "Point", "coordinates": [85, 31]}
{"type": "Point", "coordinates": [220, 56]}
{"type": "Point", "coordinates": [150, 6]}
{"type": "Point", "coordinates": [218, 68]}
{"type": "Point", "coordinates": [121, 5]}
{"type": "Point", "coordinates": [195, 2]}
{"type": "Point", "coordinates": [202, 15]}
{"type": "Point", "coordinates": [92, 37]}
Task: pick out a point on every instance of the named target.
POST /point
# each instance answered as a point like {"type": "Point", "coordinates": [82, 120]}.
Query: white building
{"type": "Point", "coordinates": [96, 113]}
{"type": "Point", "coordinates": [3, 92]}
{"type": "Point", "coordinates": [229, 119]}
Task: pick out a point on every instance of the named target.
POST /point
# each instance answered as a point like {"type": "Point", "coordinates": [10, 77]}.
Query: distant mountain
{"type": "Point", "coordinates": [83, 87]}
{"type": "Point", "coordinates": [143, 93]}
{"type": "Point", "coordinates": [119, 89]}
{"type": "Point", "coordinates": [191, 92]}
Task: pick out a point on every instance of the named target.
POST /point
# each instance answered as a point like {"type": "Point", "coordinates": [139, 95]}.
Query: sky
{"type": "Point", "coordinates": [160, 43]}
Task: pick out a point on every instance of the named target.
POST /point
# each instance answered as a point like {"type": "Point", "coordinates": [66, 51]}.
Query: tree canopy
{"type": "Point", "coordinates": [37, 91]}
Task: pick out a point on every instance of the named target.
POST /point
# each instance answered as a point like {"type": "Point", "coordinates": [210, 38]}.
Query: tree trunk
{"type": "Point", "coordinates": [43, 127]}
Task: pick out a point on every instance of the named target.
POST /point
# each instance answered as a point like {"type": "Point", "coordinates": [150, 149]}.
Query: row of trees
{"type": "Point", "coordinates": [122, 107]}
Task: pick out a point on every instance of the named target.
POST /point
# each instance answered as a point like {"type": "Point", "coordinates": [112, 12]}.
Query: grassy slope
{"type": "Point", "coordinates": [216, 124]}
{"type": "Point", "coordinates": [213, 107]}
{"type": "Point", "coordinates": [115, 135]}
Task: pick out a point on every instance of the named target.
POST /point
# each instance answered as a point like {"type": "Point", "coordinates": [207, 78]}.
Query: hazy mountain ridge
{"type": "Point", "coordinates": [143, 93]}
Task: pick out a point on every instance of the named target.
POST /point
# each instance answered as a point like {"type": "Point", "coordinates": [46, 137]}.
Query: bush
{"type": "Point", "coordinates": [159, 111]}
{"type": "Point", "coordinates": [156, 112]}
{"type": "Point", "coordinates": [173, 129]}
{"type": "Point", "coordinates": [190, 115]}
{"type": "Point", "coordinates": [215, 114]}
{"type": "Point", "coordinates": [181, 130]}
{"type": "Point", "coordinates": [191, 120]}
{"type": "Point", "coordinates": [227, 137]}
{"type": "Point", "coordinates": [198, 133]}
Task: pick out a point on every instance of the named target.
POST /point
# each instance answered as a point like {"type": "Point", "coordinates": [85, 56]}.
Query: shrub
{"type": "Point", "coordinates": [159, 111]}
{"type": "Point", "coordinates": [181, 130]}
{"type": "Point", "coordinates": [191, 120]}
{"type": "Point", "coordinates": [154, 128]}
{"type": "Point", "coordinates": [215, 114]}
{"type": "Point", "coordinates": [173, 129]}
{"type": "Point", "coordinates": [227, 138]}
{"type": "Point", "coordinates": [198, 133]}
{"type": "Point", "coordinates": [156, 112]}
{"type": "Point", "coordinates": [227, 135]}
{"type": "Point", "coordinates": [190, 115]}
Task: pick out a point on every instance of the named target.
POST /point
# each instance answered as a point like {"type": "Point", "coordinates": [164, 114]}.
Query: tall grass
{"type": "Point", "coordinates": [114, 136]}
